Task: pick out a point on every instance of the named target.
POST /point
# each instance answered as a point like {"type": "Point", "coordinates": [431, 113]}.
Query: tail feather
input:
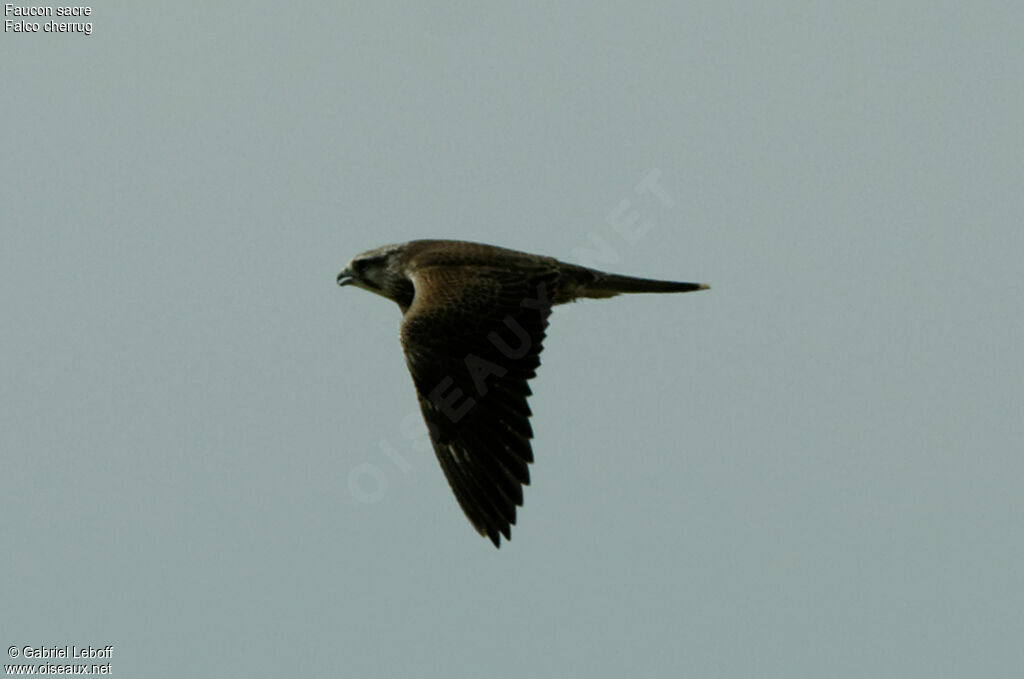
{"type": "Point", "coordinates": [609, 285]}
{"type": "Point", "coordinates": [615, 284]}
{"type": "Point", "coordinates": [578, 282]}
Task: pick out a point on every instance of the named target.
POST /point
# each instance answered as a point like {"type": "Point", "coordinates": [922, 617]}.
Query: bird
{"type": "Point", "coordinates": [474, 318]}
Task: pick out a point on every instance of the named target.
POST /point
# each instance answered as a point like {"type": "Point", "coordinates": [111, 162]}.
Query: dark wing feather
{"type": "Point", "coordinates": [472, 339]}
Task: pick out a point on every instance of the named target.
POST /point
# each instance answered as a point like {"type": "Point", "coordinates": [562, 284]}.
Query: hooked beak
{"type": "Point", "coordinates": [346, 277]}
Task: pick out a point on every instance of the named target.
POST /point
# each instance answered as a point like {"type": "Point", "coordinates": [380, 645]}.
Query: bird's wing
{"type": "Point", "coordinates": [472, 339]}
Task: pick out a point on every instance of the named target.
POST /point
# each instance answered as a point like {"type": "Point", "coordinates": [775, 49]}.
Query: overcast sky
{"type": "Point", "coordinates": [212, 458]}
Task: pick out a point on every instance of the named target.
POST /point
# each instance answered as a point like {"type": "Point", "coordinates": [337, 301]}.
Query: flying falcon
{"type": "Point", "coordinates": [473, 322]}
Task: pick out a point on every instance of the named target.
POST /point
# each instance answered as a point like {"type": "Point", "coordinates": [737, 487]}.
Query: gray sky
{"type": "Point", "coordinates": [814, 469]}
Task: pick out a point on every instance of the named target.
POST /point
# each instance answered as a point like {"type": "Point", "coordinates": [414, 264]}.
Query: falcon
{"type": "Point", "coordinates": [473, 323]}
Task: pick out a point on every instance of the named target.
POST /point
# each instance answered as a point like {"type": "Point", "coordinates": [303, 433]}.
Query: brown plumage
{"type": "Point", "coordinates": [474, 318]}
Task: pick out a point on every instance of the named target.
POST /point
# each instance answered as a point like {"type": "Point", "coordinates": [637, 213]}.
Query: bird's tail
{"type": "Point", "coordinates": [615, 284]}
{"type": "Point", "coordinates": [599, 284]}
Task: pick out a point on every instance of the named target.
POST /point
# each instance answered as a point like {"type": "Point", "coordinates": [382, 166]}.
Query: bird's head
{"type": "Point", "coordinates": [380, 271]}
